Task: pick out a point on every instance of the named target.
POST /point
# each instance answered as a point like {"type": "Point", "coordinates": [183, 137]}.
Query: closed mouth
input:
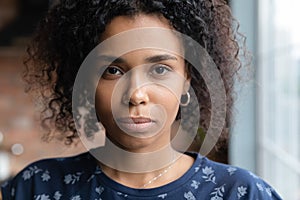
{"type": "Point", "coordinates": [135, 120]}
{"type": "Point", "coordinates": [135, 124]}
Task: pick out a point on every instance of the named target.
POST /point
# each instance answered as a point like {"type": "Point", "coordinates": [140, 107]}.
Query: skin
{"type": "Point", "coordinates": [167, 68]}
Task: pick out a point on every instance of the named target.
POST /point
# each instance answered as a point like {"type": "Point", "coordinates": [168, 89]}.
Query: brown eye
{"type": "Point", "coordinates": [113, 71]}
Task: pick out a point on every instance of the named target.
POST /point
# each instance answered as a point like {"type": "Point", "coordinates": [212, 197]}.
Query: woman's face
{"type": "Point", "coordinates": [138, 95]}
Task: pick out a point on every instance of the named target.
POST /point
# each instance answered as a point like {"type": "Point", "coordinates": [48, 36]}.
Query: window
{"type": "Point", "coordinates": [266, 135]}
{"type": "Point", "coordinates": [278, 92]}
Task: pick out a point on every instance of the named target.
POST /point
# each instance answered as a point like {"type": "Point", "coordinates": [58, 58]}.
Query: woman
{"type": "Point", "coordinates": [138, 95]}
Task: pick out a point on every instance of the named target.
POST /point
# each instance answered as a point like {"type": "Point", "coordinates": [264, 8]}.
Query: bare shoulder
{"type": "Point", "coordinates": [0, 195]}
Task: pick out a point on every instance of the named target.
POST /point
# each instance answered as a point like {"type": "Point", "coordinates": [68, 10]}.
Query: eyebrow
{"type": "Point", "coordinates": [159, 58]}
{"type": "Point", "coordinates": [111, 59]}
{"type": "Point", "coordinates": [151, 59]}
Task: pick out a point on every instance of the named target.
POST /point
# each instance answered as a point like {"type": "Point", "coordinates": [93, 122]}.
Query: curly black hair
{"type": "Point", "coordinates": [72, 28]}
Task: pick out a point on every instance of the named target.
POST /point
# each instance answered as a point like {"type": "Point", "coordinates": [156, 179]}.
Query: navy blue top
{"type": "Point", "coordinates": [80, 178]}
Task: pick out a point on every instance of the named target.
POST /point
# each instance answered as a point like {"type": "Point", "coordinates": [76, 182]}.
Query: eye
{"type": "Point", "coordinates": [160, 70]}
{"type": "Point", "coordinates": [112, 72]}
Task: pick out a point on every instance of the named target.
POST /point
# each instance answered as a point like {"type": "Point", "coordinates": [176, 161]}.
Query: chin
{"type": "Point", "coordinates": [134, 144]}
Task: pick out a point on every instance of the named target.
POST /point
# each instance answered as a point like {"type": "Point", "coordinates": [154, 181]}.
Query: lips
{"type": "Point", "coordinates": [136, 120]}
{"type": "Point", "coordinates": [135, 124]}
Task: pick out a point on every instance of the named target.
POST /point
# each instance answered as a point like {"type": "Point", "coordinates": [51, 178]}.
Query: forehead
{"type": "Point", "coordinates": [124, 23]}
{"type": "Point", "coordinates": [150, 30]}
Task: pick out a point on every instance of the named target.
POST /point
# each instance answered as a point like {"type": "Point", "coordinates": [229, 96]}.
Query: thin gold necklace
{"type": "Point", "coordinates": [161, 174]}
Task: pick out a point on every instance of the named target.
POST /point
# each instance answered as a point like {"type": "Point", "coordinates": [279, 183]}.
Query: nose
{"type": "Point", "coordinates": [138, 97]}
{"type": "Point", "coordinates": [136, 93]}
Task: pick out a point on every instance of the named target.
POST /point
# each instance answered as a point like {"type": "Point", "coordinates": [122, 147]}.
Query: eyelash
{"type": "Point", "coordinates": [108, 75]}
{"type": "Point", "coordinates": [113, 68]}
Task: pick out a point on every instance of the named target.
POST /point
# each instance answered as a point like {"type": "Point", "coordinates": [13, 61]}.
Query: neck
{"type": "Point", "coordinates": [115, 157]}
{"type": "Point", "coordinates": [142, 170]}
{"type": "Point", "coordinates": [141, 180]}
{"type": "Point", "coordinates": [154, 178]}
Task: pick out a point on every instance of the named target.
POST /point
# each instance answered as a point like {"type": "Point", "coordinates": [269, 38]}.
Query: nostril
{"type": "Point", "coordinates": [135, 102]}
{"type": "Point", "coordinates": [136, 97]}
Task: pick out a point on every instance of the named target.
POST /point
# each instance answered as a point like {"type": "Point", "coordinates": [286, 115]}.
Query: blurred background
{"type": "Point", "coordinates": [20, 134]}
{"type": "Point", "coordinates": [265, 137]}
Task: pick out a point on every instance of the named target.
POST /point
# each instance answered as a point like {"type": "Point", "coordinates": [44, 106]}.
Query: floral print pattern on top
{"type": "Point", "coordinates": [80, 178]}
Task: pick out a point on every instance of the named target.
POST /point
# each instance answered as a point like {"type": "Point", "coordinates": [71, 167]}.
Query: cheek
{"type": "Point", "coordinates": [103, 101]}
{"type": "Point", "coordinates": [169, 102]}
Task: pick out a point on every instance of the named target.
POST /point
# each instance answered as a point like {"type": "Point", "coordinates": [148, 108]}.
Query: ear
{"type": "Point", "coordinates": [186, 86]}
{"type": "Point", "coordinates": [187, 82]}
